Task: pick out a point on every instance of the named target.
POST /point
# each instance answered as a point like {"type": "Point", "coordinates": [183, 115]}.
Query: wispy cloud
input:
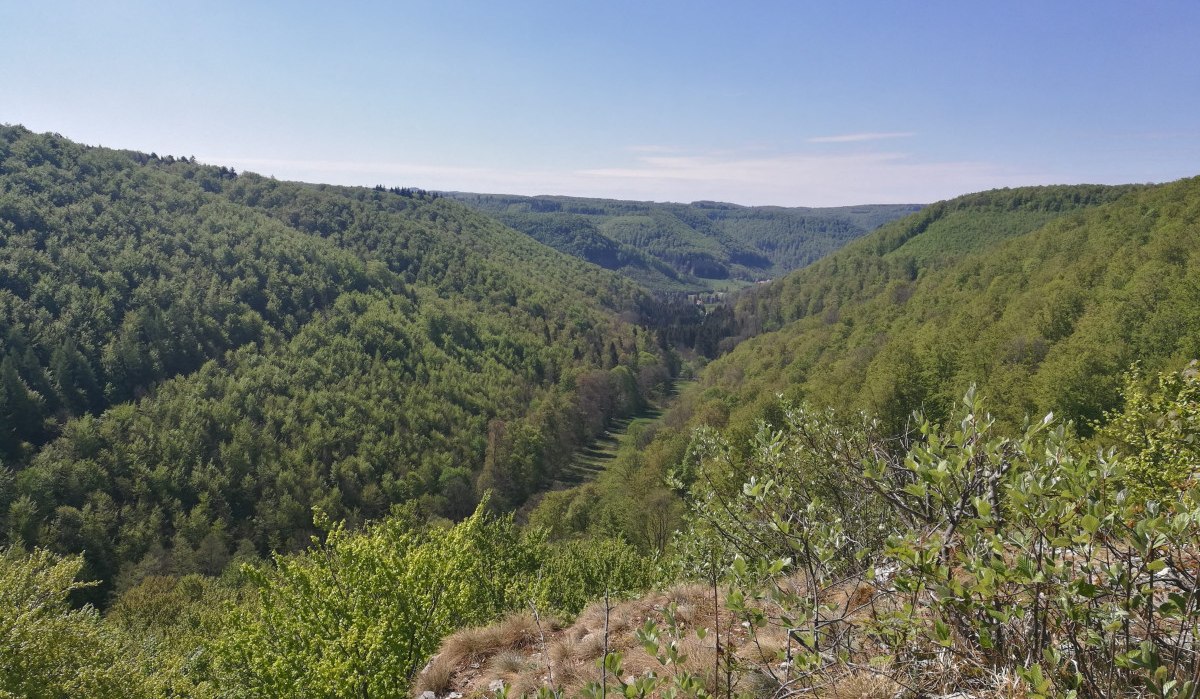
{"type": "Point", "coordinates": [650, 148]}
{"type": "Point", "coordinates": [858, 137]}
{"type": "Point", "coordinates": [801, 179]}
{"type": "Point", "coordinates": [787, 179]}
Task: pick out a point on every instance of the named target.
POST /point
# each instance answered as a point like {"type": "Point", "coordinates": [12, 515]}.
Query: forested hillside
{"type": "Point", "coordinates": [953, 457]}
{"type": "Point", "coordinates": [1042, 297]}
{"type": "Point", "coordinates": [195, 360]}
{"type": "Point", "coordinates": [273, 439]}
{"type": "Point", "coordinates": [685, 247]}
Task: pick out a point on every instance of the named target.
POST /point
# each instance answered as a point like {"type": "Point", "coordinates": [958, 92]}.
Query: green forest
{"type": "Point", "coordinates": [195, 361]}
{"type": "Point", "coordinates": [694, 247]}
{"type": "Point", "coordinates": [274, 439]}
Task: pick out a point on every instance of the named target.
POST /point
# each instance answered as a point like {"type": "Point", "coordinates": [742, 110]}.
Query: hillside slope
{"type": "Point", "coordinates": [200, 368]}
{"type": "Point", "coordinates": [1041, 296]}
{"type": "Point", "coordinates": [685, 247]}
{"type": "Point", "coordinates": [193, 360]}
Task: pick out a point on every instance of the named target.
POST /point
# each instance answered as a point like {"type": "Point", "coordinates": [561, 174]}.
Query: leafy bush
{"type": "Point", "coordinates": [1025, 561]}
{"type": "Point", "coordinates": [1158, 432]}
{"type": "Point", "coordinates": [575, 573]}
{"type": "Point", "coordinates": [47, 648]}
{"type": "Point", "coordinates": [360, 613]}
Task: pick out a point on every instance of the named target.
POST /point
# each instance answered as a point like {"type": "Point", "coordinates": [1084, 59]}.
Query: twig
{"type": "Point", "coordinates": [542, 636]}
{"type": "Point", "coordinates": [604, 658]}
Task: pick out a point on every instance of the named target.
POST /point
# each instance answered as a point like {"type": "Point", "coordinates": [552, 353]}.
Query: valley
{"type": "Point", "coordinates": [268, 438]}
{"type": "Point", "coordinates": [686, 248]}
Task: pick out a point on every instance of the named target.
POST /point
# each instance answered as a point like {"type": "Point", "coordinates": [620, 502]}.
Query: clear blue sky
{"type": "Point", "coordinates": [792, 103]}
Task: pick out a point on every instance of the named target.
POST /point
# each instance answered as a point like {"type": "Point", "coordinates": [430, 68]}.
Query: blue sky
{"type": "Point", "coordinates": [789, 103]}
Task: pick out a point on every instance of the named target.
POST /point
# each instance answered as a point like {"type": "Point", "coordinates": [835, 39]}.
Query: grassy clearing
{"type": "Point", "coordinates": [593, 459]}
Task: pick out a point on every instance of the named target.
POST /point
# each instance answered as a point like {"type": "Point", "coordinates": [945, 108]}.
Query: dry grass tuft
{"type": "Point", "coordinates": [758, 684]}
{"type": "Point", "coordinates": [526, 685]}
{"type": "Point", "coordinates": [592, 617]}
{"type": "Point", "coordinates": [563, 650]}
{"type": "Point", "coordinates": [522, 628]}
{"type": "Point", "coordinates": [436, 677]}
{"type": "Point", "coordinates": [590, 646]}
{"type": "Point", "coordinates": [866, 685]}
{"type": "Point", "coordinates": [699, 659]}
{"type": "Point", "coordinates": [471, 643]}
{"type": "Point", "coordinates": [572, 674]}
{"type": "Point", "coordinates": [687, 614]}
{"type": "Point", "coordinates": [518, 630]}
{"type": "Point", "coordinates": [765, 648]}
{"type": "Point", "coordinates": [690, 595]}
{"type": "Point", "coordinates": [509, 662]}
{"type": "Point", "coordinates": [1007, 685]}
{"type": "Point", "coordinates": [624, 619]}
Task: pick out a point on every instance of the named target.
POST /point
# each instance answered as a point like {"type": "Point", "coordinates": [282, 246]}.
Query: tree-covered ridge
{"type": "Point", "coordinates": [1046, 315]}
{"type": "Point", "coordinates": [194, 360]}
{"type": "Point", "coordinates": [682, 247]}
{"type": "Point", "coordinates": [384, 402]}
{"type": "Point", "coordinates": [436, 242]}
{"type": "Point", "coordinates": [919, 244]}
{"type": "Point", "coordinates": [1043, 314]}
{"type": "Point", "coordinates": [115, 275]}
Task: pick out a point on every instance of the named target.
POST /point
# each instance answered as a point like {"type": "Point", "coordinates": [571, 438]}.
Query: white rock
{"type": "Point", "coordinates": [429, 664]}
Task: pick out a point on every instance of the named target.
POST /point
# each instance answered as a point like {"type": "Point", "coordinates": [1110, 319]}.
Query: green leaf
{"type": "Point", "coordinates": [941, 633]}
{"type": "Point", "coordinates": [1089, 523]}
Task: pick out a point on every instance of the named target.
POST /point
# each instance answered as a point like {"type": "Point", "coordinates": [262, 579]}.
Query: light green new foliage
{"type": "Point", "coordinates": [47, 649]}
{"type": "Point", "coordinates": [358, 615]}
{"type": "Point", "coordinates": [575, 573]}
{"type": "Point", "coordinates": [167, 625]}
{"type": "Point", "coordinates": [1158, 433]}
{"type": "Point", "coordinates": [751, 500]}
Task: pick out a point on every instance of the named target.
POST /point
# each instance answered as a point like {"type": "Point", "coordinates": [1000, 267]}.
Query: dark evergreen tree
{"type": "Point", "coordinates": [74, 379]}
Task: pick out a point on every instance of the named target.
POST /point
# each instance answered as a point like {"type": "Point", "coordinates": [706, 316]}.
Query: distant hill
{"type": "Point", "coordinates": [685, 247]}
